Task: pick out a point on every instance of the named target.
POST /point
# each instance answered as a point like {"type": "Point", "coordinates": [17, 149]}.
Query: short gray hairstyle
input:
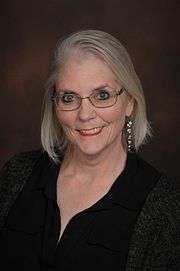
{"type": "Point", "coordinates": [113, 53]}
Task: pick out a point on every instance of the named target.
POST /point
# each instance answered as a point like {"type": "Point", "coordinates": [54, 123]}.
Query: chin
{"type": "Point", "coordinates": [97, 146]}
{"type": "Point", "coordinates": [91, 149]}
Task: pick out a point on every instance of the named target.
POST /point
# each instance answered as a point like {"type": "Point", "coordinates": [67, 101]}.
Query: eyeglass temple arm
{"type": "Point", "coordinates": [53, 93]}
{"type": "Point", "coordinates": [120, 91]}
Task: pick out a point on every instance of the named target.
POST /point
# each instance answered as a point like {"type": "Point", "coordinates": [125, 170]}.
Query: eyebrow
{"type": "Point", "coordinates": [102, 86]}
{"type": "Point", "coordinates": [73, 91]}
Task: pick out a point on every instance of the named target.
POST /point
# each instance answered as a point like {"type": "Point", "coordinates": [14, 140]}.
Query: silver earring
{"type": "Point", "coordinates": [129, 134]}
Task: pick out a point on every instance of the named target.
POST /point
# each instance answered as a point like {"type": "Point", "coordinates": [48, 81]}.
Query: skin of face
{"type": "Point", "coordinates": [82, 74]}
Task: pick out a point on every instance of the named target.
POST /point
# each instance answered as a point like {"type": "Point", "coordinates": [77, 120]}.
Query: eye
{"type": "Point", "coordinates": [67, 98]}
{"type": "Point", "coordinates": [102, 94]}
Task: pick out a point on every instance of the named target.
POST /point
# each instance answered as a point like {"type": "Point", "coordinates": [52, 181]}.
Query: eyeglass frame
{"type": "Point", "coordinates": [117, 93]}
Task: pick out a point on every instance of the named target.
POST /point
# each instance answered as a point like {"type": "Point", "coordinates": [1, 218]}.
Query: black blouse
{"type": "Point", "coordinates": [94, 239]}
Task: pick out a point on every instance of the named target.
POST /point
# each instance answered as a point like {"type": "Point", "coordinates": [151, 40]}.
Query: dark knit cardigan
{"type": "Point", "coordinates": [155, 242]}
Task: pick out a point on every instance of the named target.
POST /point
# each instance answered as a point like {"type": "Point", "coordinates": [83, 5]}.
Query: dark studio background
{"type": "Point", "coordinates": [148, 29]}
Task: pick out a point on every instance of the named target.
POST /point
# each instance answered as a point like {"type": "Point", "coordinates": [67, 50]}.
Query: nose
{"type": "Point", "coordinates": [86, 111]}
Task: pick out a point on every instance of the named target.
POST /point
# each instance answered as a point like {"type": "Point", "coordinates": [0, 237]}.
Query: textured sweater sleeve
{"type": "Point", "coordinates": [13, 177]}
{"type": "Point", "coordinates": [155, 243]}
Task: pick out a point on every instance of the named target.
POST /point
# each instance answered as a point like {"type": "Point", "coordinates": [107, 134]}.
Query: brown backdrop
{"type": "Point", "coordinates": [148, 29]}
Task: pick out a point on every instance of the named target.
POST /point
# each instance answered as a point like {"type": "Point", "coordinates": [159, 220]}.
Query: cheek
{"type": "Point", "coordinates": [66, 119]}
{"type": "Point", "coordinates": [116, 115]}
{"type": "Point", "coordinates": [115, 119]}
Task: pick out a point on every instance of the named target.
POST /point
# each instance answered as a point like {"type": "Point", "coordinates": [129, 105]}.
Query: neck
{"type": "Point", "coordinates": [110, 161]}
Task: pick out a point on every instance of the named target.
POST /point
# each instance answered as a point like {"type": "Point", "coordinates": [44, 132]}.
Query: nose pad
{"type": "Point", "coordinates": [86, 110]}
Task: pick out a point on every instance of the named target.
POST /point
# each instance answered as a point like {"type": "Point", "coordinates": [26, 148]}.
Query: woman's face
{"type": "Point", "coordinates": [91, 130]}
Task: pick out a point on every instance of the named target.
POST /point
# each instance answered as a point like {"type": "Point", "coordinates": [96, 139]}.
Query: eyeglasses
{"type": "Point", "coordinates": [99, 98]}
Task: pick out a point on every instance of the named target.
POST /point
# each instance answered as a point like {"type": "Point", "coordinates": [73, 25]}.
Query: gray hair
{"type": "Point", "coordinates": [113, 53]}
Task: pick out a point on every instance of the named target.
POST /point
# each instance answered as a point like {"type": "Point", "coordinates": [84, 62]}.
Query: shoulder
{"type": "Point", "coordinates": [156, 236]}
{"type": "Point", "coordinates": [13, 177]}
{"type": "Point", "coordinates": [147, 168]}
{"type": "Point", "coordinates": [165, 186]}
{"type": "Point", "coordinates": [161, 186]}
{"type": "Point", "coordinates": [23, 158]}
{"type": "Point", "coordinates": [163, 201]}
{"type": "Point", "coordinates": [18, 168]}
{"type": "Point", "coordinates": [162, 204]}
{"type": "Point", "coordinates": [20, 163]}
{"type": "Point", "coordinates": [163, 207]}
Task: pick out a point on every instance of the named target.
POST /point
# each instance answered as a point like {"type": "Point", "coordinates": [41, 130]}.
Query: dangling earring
{"type": "Point", "coordinates": [129, 134]}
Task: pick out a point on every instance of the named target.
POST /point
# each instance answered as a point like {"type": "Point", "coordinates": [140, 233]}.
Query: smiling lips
{"type": "Point", "coordinates": [90, 132]}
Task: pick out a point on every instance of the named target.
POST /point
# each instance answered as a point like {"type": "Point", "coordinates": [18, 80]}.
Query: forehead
{"type": "Point", "coordinates": [84, 71]}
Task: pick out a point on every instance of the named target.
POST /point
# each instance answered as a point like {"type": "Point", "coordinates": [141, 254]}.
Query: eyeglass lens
{"type": "Point", "coordinates": [100, 98]}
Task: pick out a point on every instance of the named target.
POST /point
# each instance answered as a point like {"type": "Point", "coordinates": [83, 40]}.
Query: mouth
{"type": "Point", "coordinates": [90, 132]}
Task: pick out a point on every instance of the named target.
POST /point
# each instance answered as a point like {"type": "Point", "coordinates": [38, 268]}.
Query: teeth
{"type": "Point", "coordinates": [90, 131]}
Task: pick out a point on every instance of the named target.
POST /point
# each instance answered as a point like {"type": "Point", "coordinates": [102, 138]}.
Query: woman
{"type": "Point", "coordinates": [87, 200]}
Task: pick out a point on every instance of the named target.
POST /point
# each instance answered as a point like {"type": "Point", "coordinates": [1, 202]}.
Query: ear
{"type": "Point", "coordinates": [130, 106]}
